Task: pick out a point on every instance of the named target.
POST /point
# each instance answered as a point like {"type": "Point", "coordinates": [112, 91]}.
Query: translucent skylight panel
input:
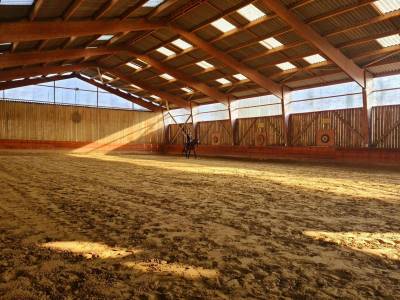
{"type": "Point", "coordinates": [16, 2]}
{"type": "Point", "coordinates": [136, 87]}
{"type": "Point", "coordinates": [223, 25]}
{"type": "Point", "coordinates": [391, 40]}
{"type": "Point", "coordinates": [240, 77]}
{"type": "Point", "coordinates": [271, 43]}
{"type": "Point", "coordinates": [166, 51]}
{"type": "Point", "coordinates": [286, 66]}
{"type": "Point", "coordinates": [182, 44]}
{"type": "Point", "coordinates": [105, 37]}
{"type": "Point", "coordinates": [106, 77]}
{"type": "Point", "coordinates": [205, 65]}
{"type": "Point", "coordinates": [133, 66]}
{"type": "Point", "coordinates": [250, 12]}
{"type": "Point", "coordinates": [153, 3]}
{"type": "Point", "coordinates": [166, 76]}
{"type": "Point", "coordinates": [387, 6]}
{"type": "Point", "coordinates": [187, 90]}
{"type": "Point", "coordinates": [314, 59]}
{"type": "Point", "coordinates": [223, 81]}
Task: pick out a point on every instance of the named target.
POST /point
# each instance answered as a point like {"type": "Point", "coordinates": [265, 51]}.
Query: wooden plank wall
{"type": "Point", "coordinates": [347, 124]}
{"type": "Point", "coordinates": [175, 135]}
{"type": "Point", "coordinates": [205, 131]}
{"type": "Point", "coordinates": [26, 121]}
{"type": "Point", "coordinates": [248, 129]}
{"type": "Point", "coordinates": [385, 129]}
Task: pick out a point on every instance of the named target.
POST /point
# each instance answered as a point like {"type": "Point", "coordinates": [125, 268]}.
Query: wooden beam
{"type": "Point", "coordinates": [106, 7]}
{"type": "Point", "coordinates": [163, 95]}
{"type": "Point", "coordinates": [285, 115]}
{"type": "Point", "coordinates": [32, 31]}
{"type": "Point", "coordinates": [131, 9]}
{"type": "Point", "coordinates": [71, 9]}
{"type": "Point", "coordinates": [35, 10]}
{"type": "Point", "coordinates": [250, 73]}
{"type": "Point", "coordinates": [26, 82]}
{"type": "Point", "coordinates": [36, 71]}
{"type": "Point", "coordinates": [8, 60]}
{"type": "Point", "coordinates": [123, 95]}
{"type": "Point", "coordinates": [213, 93]}
{"type": "Point", "coordinates": [307, 33]}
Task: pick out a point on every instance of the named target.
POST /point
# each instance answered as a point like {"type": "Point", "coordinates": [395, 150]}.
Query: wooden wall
{"type": "Point", "coordinates": [248, 131]}
{"type": "Point", "coordinates": [385, 129]}
{"type": "Point", "coordinates": [175, 134]}
{"type": "Point", "coordinates": [346, 123]}
{"type": "Point", "coordinates": [205, 131]}
{"type": "Point", "coordinates": [26, 121]}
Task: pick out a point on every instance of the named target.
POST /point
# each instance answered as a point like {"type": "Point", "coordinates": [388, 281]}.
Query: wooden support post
{"type": "Point", "coordinates": [285, 115]}
{"type": "Point", "coordinates": [366, 91]}
{"type": "Point", "coordinates": [232, 121]}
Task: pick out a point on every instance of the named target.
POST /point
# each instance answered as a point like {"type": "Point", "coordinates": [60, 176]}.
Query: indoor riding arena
{"type": "Point", "coordinates": [199, 149]}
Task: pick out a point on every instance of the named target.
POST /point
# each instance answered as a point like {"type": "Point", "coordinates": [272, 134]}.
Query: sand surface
{"type": "Point", "coordinates": [145, 227]}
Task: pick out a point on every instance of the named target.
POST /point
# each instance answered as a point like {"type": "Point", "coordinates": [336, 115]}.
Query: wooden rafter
{"type": "Point", "coordinates": [26, 82]}
{"type": "Point", "coordinates": [250, 73]}
{"type": "Point", "coordinates": [163, 95]}
{"type": "Point", "coordinates": [309, 34]}
{"type": "Point", "coordinates": [36, 71]}
{"type": "Point", "coordinates": [72, 9]}
{"type": "Point", "coordinates": [32, 31]}
{"type": "Point", "coordinates": [105, 9]}
{"type": "Point", "coordinates": [35, 10]}
{"type": "Point", "coordinates": [123, 95]}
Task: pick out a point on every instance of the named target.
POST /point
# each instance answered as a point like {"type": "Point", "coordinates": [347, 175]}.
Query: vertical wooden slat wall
{"type": "Point", "coordinates": [206, 130]}
{"type": "Point", "coordinates": [26, 121]}
{"type": "Point", "coordinates": [249, 128]}
{"type": "Point", "coordinates": [346, 123]}
{"type": "Point", "coordinates": [385, 129]}
{"type": "Point", "coordinates": [175, 134]}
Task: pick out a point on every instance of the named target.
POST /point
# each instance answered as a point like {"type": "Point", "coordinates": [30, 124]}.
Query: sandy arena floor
{"type": "Point", "coordinates": [145, 227]}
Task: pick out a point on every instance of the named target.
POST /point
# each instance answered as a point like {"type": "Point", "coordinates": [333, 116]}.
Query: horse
{"type": "Point", "coordinates": [190, 145]}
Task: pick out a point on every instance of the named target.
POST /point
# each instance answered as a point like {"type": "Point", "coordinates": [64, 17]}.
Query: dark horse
{"type": "Point", "coordinates": [190, 145]}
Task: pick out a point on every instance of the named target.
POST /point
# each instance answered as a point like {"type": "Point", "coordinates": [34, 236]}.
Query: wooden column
{"type": "Point", "coordinates": [366, 91]}
{"type": "Point", "coordinates": [232, 120]}
{"type": "Point", "coordinates": [285, 115]}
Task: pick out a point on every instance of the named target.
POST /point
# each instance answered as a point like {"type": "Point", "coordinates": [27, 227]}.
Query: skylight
{"type": "Point", "coordinates": [271, 43]}
{"type": "Point", "coordinates": [106, 77]}
{"type": "Point", "coordinates": [223, 81]}
{"type": "Point", "coordinates": [182, 44]}
{"type": "Point", "coordinates": [250, 12]}
{"type": "Point", "coordinates": [187, 90]}
{"type": "Point", "coordinates": [16, 2]}
{"type": "Point", "coordinates": [240, 77]}
{"type": "Point", "coordinates": [205, 65]}
{"type": "Point", "coordinates": [391, 40]}
{"type": "Point", "coordinates": [166, 76]}
{"type": "Point", "coordinates": [286, 66]}
{"type": "Point", "coordinates": [153, 3]}
{"type": "Point", "coordinates": [314, 59]}
{"type": "Point", "coordinates": [105, 37]}
{"type": "Point", "coordinates": [133, 65]}
{"type": "Point", "coordinates": [223, 25]}
{"type": "Point", "coordinates": [136, 87]}
{"type": "Point", "coordinates": [387, 6]}
{"type": "Point", "coordinates": [166, 51]}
